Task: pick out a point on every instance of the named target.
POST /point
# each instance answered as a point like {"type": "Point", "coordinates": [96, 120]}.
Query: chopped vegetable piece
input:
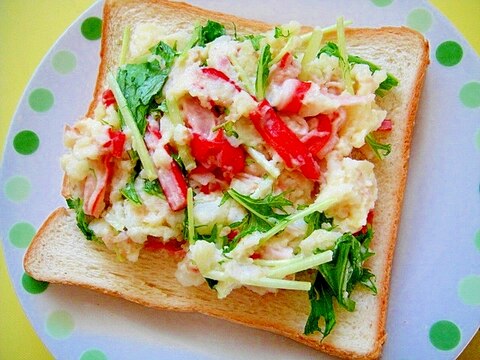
{"type": "Point", "coordinates": [389, 83]}
{"type": "Point", "coordinates": [218, 153]}
{"type": "Point", "coordinates": [125, 45]}
{"type": "Point", "coordinates": [386, 125]}
{"type": "Point", "coordinates": [108, 98]}
{"type": "Point", "coordinates": [152, 187]}
{"type": "Point", "coordinates": [284, 141]}
{"type": "Point", "coordinates": [271, 169]}
{"type": "Point", "coordinates": [255, 40]}
{"type": "Point", "coordinates": [190, 225]}
{"type": "Point", "coordinates": [278, 33]}
{"type": "Point", "coordinates": [321, 306]}
{"type": "Point", "coordinates": [337, 279]}
{"type": "Point", "coordinates": [95, 187]}
{"type": "Point", "coordinates": [210, 32]}
{"type": "Point", "coordinates": [82, 222]}
{"type": "Point", "coordinates": [321, 134]}
{"type": "Point", "coordinates": [312, 49]}
{"type": "Point", "coordinates": [172, 246]}
{"type": "Point", "coordinates": [281, 225]}
{"type": "Point", "coordinates": [116, 142]}
{"type": "Point", "coordinates": [130, 193]}
{"type": "Point", "coordinates": [295, 103]}
{"type": "Point", "coordinates": [343, 56]}
{"type": "Point", "coordinates": [263, 71]}
{"type": "Point", "coordinates": [217, 74]}
{"type": "Point", "coordinates": [137, 139]}
{"type": "Point", "coordinates": [301, 265]}
{"type": "Point", "coordinates": [212, 150]}
{"type": "Point", "coordinates": [169, 173]}
{"type": "Point", "coordinates": [380, 150]}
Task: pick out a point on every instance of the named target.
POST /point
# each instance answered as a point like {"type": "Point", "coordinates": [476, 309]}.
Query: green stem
{"type": "Point", "coordinates": [301, 265]}
{"type": "Point", "coordinates": [342, 48]}
{"type": "Point", "coordinates": [320, 206]}
{"type": "Point", "coordinates": [137, 139]}
{"type": "Point", "coordinates": [191, 223]}
{"type": "Point", "coordinates": [125, 45]}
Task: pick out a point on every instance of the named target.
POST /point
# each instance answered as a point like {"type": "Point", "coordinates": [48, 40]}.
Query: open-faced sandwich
{"type": "Point", "coordinates": [247, 171]}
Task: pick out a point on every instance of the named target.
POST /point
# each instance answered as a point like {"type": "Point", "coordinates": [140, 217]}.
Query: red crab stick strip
{"type": "Point", "coordinates": [95, 188]}
{"type": "Point", "coordinates": [294, 105]}
{"type": "Point", "coordinates": [169, 173]}
{"type": "Point", "coordinates": [217, 74]}
{"type": "Point", "coordinates": [277, 134]}
{"type": "Point", "coordinates": [96, 185]}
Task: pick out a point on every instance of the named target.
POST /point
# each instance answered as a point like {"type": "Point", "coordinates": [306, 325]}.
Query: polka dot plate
{"type": "Point", "coordinates": [435, 291]}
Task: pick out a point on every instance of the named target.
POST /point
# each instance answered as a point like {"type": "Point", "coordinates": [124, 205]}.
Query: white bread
{"type": "Point", "coordinates": [59, 252]}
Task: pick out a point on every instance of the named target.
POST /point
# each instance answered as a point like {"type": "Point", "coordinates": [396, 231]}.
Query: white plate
{"type": "Point", "coordinates": [436, 273]}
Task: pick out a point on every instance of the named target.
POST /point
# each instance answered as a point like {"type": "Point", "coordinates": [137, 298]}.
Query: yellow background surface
{"type": "Point", "coordinates": [28, 28]}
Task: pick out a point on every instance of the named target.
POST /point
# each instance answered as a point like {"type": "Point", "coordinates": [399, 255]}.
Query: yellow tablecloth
{"type": "Point", "coordinates": [28, 28]}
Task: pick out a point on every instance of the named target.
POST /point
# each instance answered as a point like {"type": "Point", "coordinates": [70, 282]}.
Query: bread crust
{"type": "Point", "coordinates": [169, 295]}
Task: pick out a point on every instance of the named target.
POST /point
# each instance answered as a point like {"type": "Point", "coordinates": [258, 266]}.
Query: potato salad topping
{"type": "Point", "coordinates": [234, 153]}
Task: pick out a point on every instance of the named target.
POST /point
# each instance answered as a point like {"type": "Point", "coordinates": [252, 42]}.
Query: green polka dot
{"type": "Point", "coordinates": [477, 139]}
{"type": "Point", "coordinates": [64, 62]}
{"type": "Point", "coordinates": [477, 240]}
{"type": "Point", "coordinates": [59, 324]}
{"type": "Point", "coordinates": [21, 234]}
{"type": "Point", "coordinates": [92, 28]}
{"type": "Point", "coordinates": [444, 335]}
{"type": "Point", "coordinates": [469, 290]}
{"type": "Point", "coordinates": [93, 354]}
{"type": "Point", "coordinates": [449, 53]}
{"type": "Point", "coordinates": [26, 142]}
{"type": "Point", "coordinates": [470, 94]}
{"type": "Point", "coordinates": [17, 188]}
{"type": "Point", "coordinates": [382, 3]}
{"type": "Point", "coordinates": [33, 286]}
{"type": "Point", "coordinates": [420, 20]}
{"type": "Point", "coordinates": [41, 100]}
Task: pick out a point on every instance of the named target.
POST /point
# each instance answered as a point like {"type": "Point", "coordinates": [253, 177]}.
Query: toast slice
{"type": "Point", "coordinates": [59, 252]}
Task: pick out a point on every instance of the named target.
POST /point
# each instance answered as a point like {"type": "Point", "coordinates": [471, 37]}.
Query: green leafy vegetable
{"type": "Point", "coordinates": [319, 206]}
{"type": "Point", "coordinates": [165, 53]}
{"type": "Point", "coordinates": [214, 237]}
{"type": "Point", "coordinates": [82, 222]}
{"type": "Point", "coordinates": [163, 106]}
{"type": "Point", "coordinates": [262, 214]}
{"type": "Point", "coordinates": [315, 221]}
{"type": "Point", "coordinates": [321, 303]}
{"type": "Point", "coordinates": [263, 71]}
{"type": "Point", "coordinates": [337, 279]}
{"type": "Point", "coordinates": [141, 83]}
{"type": "Point", "coordinates": [228, 127]}
{"type": "Point", "coordinates": [380, 150]}
{"type": "Point", "coordinates": [130, 193]}
{"type": "Point", "coordinates": [179, 161]}
{"type": "Point", "coordinates": [138, 143]}
{"type": "Point", "coordinates": [255, 40]}
{"type": "Point", "coordinates": [279, 33]}
{"type": "Point", "coordinates": [389, 83]}
{"type": "Point", "coordinates": [152, 187]}
{"type": "Point", "coordinates": [263, 208]}
{"type": "Point", "coordinates": [210, 32]}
